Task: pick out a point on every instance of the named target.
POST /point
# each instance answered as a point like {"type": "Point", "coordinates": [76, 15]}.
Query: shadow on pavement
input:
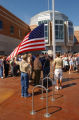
{"type": "Point", "coordinates": [56, 96]}
{"type": "Point", "coordinates": [55, 109]}
{"type": "Point", "coordinates": [69, 85]}
{"type": "Point", "coordinates": [40, 91]}
{"type": "Point", "coordinates": [69, 79]}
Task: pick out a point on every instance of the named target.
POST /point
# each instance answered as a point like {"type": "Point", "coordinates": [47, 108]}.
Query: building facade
{"type": "Point", "coordinates": [12, 31]}
{"type": "Point", "coordinates": [64, 30]}
{"type": "Point", "coordinates": [76, 39]}
{"type": "Point", "coordinates": [76, 34]}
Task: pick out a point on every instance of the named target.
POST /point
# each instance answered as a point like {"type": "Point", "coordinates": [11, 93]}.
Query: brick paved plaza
{"type": "Point", "coordinates": [65, 106]}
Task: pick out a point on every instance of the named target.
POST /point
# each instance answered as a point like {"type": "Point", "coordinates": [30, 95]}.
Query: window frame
{"type": "Point", "coordinates": [1, 24]}
{"type": "Point", "coordinates": [12, 29]}
{"type": "Point", "coordinates": [58, 24]}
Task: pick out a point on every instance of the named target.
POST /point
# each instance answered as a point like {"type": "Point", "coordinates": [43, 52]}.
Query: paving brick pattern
{"type": "Point", "coordinates": [65, 106]}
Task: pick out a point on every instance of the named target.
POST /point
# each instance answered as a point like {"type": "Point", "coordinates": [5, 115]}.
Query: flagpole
{"type": "Point", "coordinates": [53, 29]}
{"type": "Point", "coordinates": [48, 4]}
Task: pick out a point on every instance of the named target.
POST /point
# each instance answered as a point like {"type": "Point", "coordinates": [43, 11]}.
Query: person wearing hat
{"type": "Point", "coordinates": [25, 69]}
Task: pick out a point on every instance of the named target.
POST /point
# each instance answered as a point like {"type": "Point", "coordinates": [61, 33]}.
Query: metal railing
{"type": "Point", "coordinates": [33, 111]}
{"type": "Point", "coordinates": [48, 78]}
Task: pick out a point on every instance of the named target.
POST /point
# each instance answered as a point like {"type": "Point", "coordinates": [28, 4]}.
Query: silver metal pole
{"type": "Point", "coordinates": [33, 112]}
{"type": "Point", "coordinates": [53, 29]}
{"type": "Point", "coordinates": [48, 4]}
{"type": "Point", "coordinates": [53, 89]}
{"type": "Point", "coordinates": [47, 82]}
{"type": "Point", "coordinates": [42, 97]}
{"type": "Point", "coordinates": [47, 114]}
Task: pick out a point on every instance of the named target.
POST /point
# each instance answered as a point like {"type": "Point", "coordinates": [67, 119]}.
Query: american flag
{"type": "Point", "coordinates": [13, 54]}
{"type": "Point", "coordinates": [33, 41]}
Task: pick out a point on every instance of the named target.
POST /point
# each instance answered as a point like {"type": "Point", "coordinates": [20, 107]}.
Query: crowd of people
{"type": "Point", "coordinates": [29, 65]}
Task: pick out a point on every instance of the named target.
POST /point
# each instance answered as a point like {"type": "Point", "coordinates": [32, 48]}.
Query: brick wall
{"type": "Point", "coordinates": [9, 20]}
{"type": "Point", "coordinates": [76, 34]}
{"type": "Point", "coordinates": [10, 39]}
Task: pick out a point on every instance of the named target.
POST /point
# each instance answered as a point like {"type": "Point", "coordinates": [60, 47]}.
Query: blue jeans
{"type": "Point", "coordinates": [1, 71]}
{"type": "Point", "coordinates": [24, 84]}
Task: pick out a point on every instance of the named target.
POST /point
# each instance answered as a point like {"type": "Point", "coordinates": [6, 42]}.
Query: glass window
{"type": "Point", "coordinates": [45, 21]}
{"type": "Point", "coordinates": [61, 32]}
{"type": "Point", "coordinates": [46, 31]}
{"type": "Point", "coordinates": [12, 29]}
{"type": "Point", "coordinates": [39, 22]}
{"type": "Point", "coordinates": [56, 27]}
{"type": "Point", "coordinates": [70, 29]}
{"type": "Point", "coordinates": [46, 34]}
{"type": "Point", "coordinates": [70, 33]}
{"type": "Point", "coordinates": [58, 48]}
{"type": "Point", "coordinates": [56, 21]}
{"type": "Point", "coordinates": [61, 21]}
{"type": "Point", "coordinates": [56, 34]}
{"type": "Point", "coordinates": [59, 29]}
{"type": "Point", "coordinates": [45, 28]}
{"type": "Point", "coordinates": [1, 24]}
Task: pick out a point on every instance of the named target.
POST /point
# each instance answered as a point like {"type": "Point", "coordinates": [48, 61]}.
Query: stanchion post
{"type": "Point", "coordinates": [53, 89]}
{"type": "Point", "coordinates": [47, 114]}
{"type": "Point", "coordinates": [47, 82]}
{"type": "Point", "coordinates": [32, 112]}
{"type": "Point", "coordinates": [53, 98]}
{"type": "Point", "coordinates": [42, 97]}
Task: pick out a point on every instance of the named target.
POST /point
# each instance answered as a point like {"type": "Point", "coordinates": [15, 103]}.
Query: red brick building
{"type": "Point", "coordinates": [76, 34]}
{"type": "Point", "coordinates": [12, 31]}
{"type": "Point", "coordinates": [76, 39]}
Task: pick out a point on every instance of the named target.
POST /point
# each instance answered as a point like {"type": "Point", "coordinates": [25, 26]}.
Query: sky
{"type": "Point", "coordinates": [25, 9]}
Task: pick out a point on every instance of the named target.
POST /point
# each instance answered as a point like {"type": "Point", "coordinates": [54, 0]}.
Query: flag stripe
{"type": "Point", "coordinates": [35, 40]}
{"type": "Point", "coordinates": [32, 44]}
{"type": "Point", "coordinates": [38, 42]}
{"type": "Point", "coordinates": [32, 49]}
